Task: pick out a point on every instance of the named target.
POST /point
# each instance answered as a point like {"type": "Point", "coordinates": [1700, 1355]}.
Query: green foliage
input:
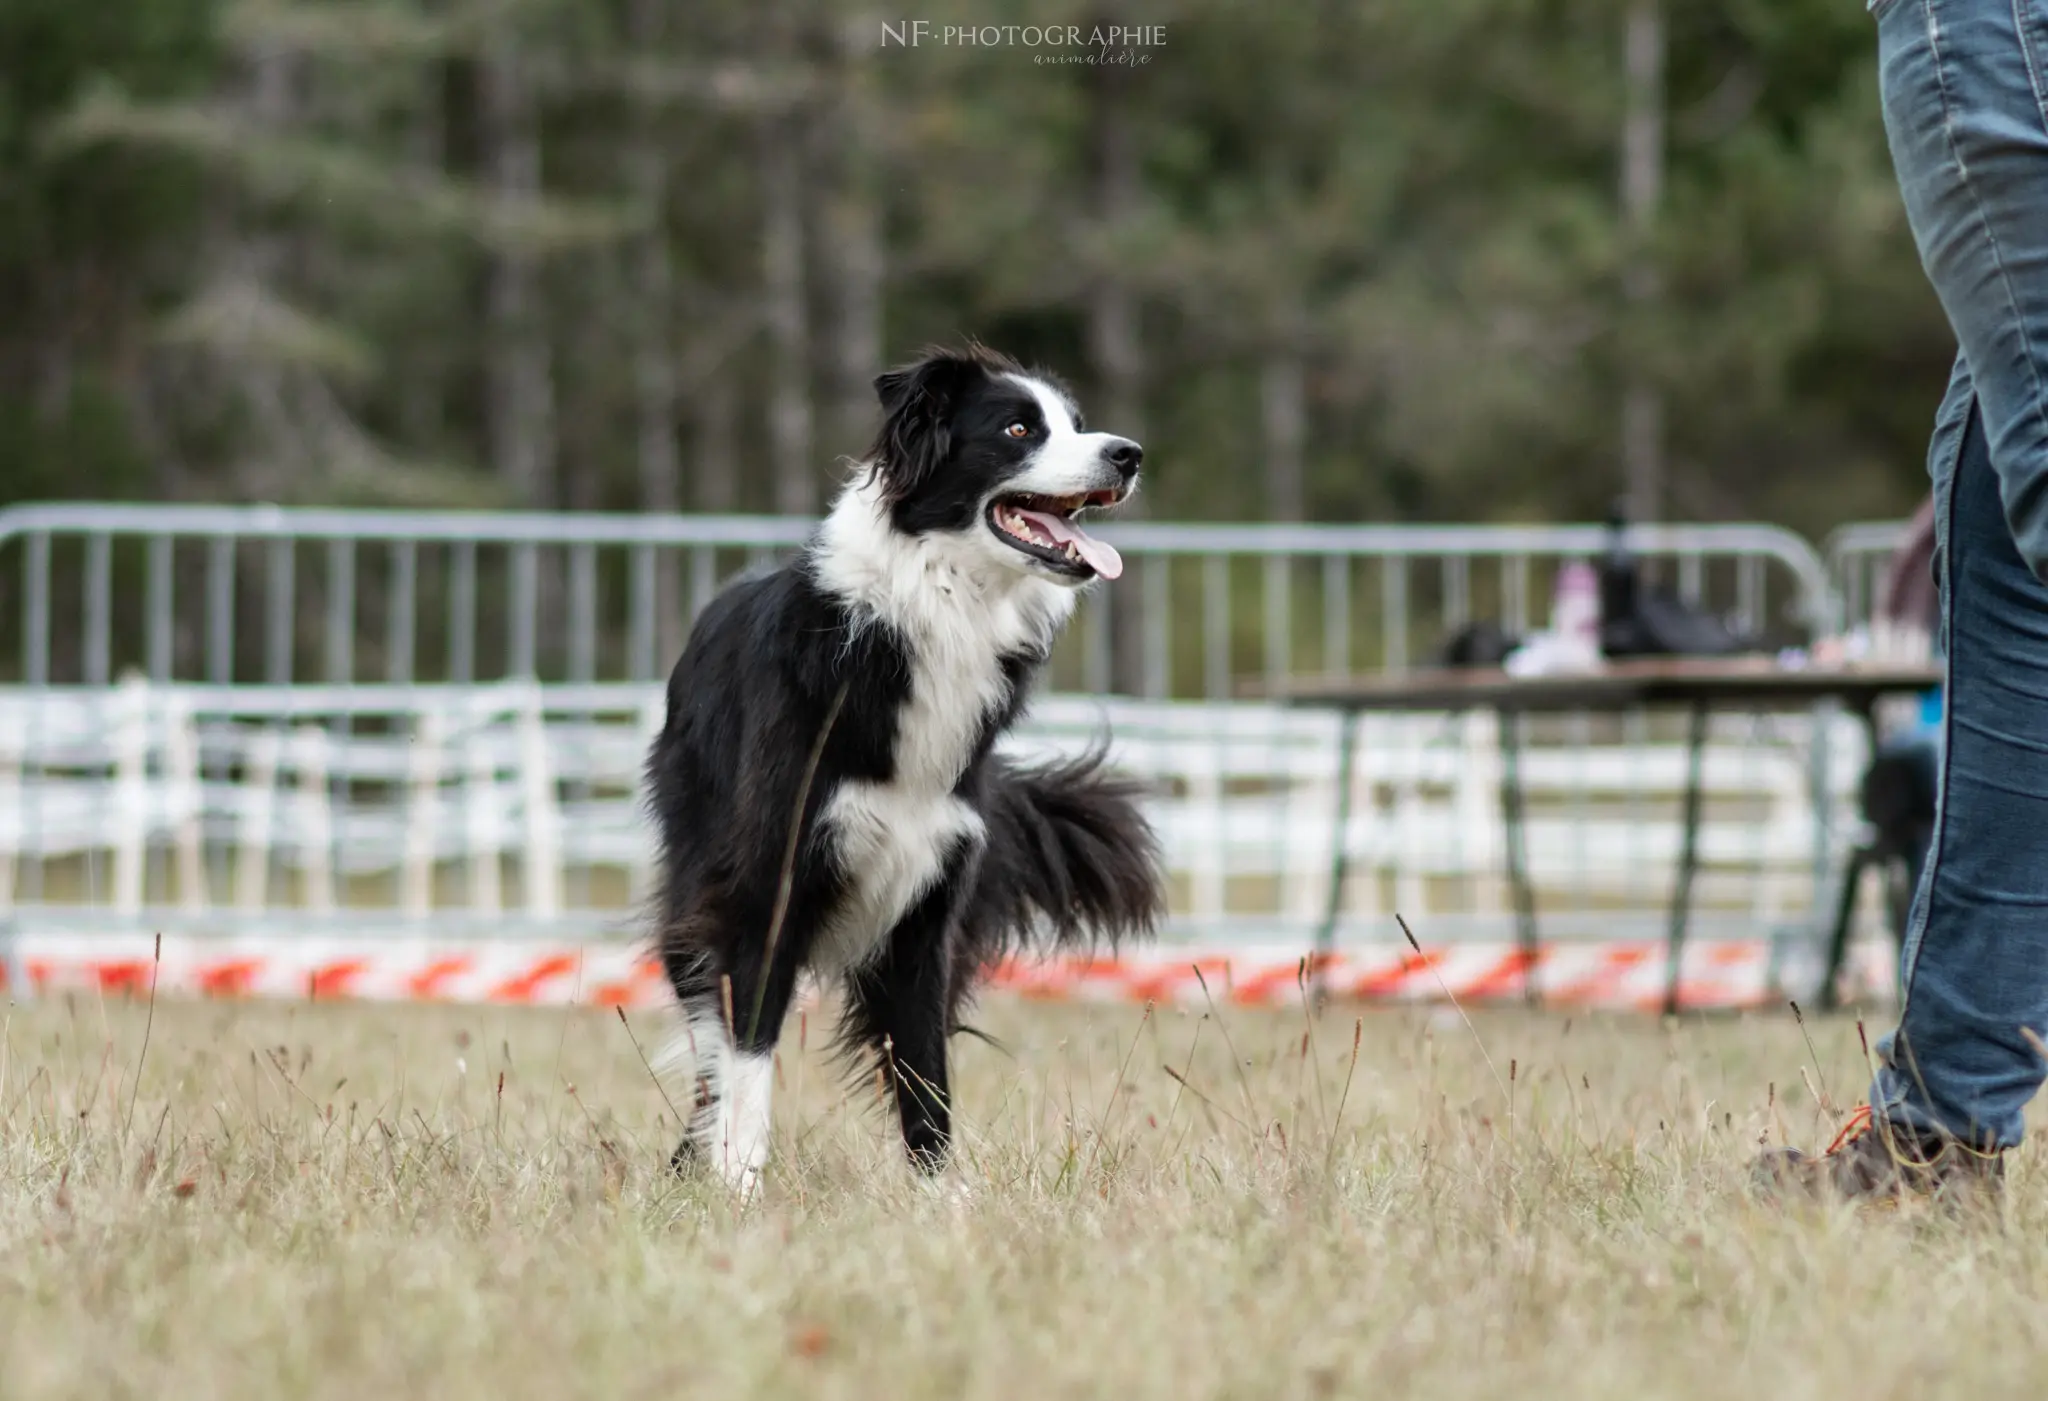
{"type": "Point", "coordinates": [81, 446]}
{"type": "Point", "coordinates": [1419, 200]}
{"type": "Point", "coordinates": [87, 249]}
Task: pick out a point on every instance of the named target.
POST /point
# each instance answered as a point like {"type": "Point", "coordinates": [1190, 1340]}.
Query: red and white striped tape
{"type": "Point", "coordinates": [343, 968]}
{"type": "Point", "coordinates": [1730, 973]}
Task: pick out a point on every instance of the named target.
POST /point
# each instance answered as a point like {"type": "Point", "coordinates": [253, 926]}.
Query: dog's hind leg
{"type": "Point", "coordinates": [898, 1007]}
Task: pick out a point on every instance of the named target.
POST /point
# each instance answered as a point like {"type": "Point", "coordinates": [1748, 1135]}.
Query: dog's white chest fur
{"type": "Point", "coordinates": [959, 611]}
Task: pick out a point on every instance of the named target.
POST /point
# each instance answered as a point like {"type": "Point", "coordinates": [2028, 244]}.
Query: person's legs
{"type": "Point", "coordinates": [1976, 956]}
{"type": "Point", "coordinates": [1966, 110]}
{"type": "Point", "coordinates": [1965, 94]}
{"type": "Point", "coordinates": [1967, 118]}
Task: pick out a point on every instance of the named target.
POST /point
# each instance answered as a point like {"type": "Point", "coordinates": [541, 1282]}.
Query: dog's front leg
{"type": "Point", "coordinates": [732, 1016]}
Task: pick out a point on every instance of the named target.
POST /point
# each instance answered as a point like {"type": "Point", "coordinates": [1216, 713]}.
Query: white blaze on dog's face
{"type": "Point", "coordinates": [971, 444]}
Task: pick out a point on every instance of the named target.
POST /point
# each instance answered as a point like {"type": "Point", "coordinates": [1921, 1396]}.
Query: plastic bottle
{"type": "Point", "coordinates": [1575, 612]}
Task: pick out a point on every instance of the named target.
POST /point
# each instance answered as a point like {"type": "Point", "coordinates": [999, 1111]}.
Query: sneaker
{"type": "Point", "coordinates": [1875, 1162]}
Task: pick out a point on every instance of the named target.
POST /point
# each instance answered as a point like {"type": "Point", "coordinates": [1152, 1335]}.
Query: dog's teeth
{"type": "Point", "coordinates": [1013, 524]}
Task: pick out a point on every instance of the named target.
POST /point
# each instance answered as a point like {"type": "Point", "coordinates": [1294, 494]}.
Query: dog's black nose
{"type": "Point", "coordinates": [1124, 455]}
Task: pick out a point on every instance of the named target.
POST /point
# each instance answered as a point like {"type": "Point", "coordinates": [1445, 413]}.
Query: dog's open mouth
{"type": "Point", "coordinates": [1044, 528]}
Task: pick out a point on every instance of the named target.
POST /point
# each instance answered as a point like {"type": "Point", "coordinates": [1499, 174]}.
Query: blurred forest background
{"type": "Point", "coordinates": [1409, 260]}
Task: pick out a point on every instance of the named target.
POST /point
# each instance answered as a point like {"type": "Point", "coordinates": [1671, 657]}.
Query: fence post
{"type": "Point", "coordinates": [423, 782]}
{"type": "Point", "coordinates": [258, 805]}
{"type": "Point", "coordinates": [318, 818]}
{"type": "Point", "coordinates": [541, 862]}
{"type": "Point", "coordinates": [12, 745]}
{"type": "Point", "coordinates": [185, 798]}
{"type": "Point", "coordinates": [19, 988]}
{"type": "Point", "coordinates": [483, 829]}
{"type": "Point", "coordinates": [131, 806]}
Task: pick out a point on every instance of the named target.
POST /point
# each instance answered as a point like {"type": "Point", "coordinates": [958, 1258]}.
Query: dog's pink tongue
{"type": "Point", "coordinates": [1101, 556]}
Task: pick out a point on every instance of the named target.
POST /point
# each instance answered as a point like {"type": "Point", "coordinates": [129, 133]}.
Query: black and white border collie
{"type": "Point", "coordinates": [825, 784]}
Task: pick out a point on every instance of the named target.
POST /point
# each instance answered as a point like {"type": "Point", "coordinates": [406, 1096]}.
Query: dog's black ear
{"type": "Point", "coordinates": [917, 406]}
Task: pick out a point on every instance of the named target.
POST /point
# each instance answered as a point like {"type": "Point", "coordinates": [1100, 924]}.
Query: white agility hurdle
{"type": "Point", "coordinates": [517, 807]}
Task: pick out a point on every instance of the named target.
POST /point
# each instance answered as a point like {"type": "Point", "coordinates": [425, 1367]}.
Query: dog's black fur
{"type": "Point", "coordinates": [795, 668]}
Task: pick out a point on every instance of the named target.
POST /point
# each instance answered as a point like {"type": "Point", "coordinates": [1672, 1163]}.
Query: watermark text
{"type": "Point", "coordinates": [1129, 44]}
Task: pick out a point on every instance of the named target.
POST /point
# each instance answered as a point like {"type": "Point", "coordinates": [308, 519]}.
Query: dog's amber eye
{"type": "Point", "coordinates": [1018, 430]}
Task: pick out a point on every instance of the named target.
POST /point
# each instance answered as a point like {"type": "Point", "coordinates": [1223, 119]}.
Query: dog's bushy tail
{"type": "Point", "coordinates": [1071, 861]}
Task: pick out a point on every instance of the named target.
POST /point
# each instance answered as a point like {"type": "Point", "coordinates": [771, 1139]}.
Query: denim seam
{"type": "Point", "coordinates": [1969, 188]}
{"type": "Point", "coordinates": [1948, 111]}
{"type": "Point", "coordinates": [2019, 26]}
{"type": "Point", "coordinates": [2023, 30]}
{"type": "Point", "coordinates": [1923, 909]}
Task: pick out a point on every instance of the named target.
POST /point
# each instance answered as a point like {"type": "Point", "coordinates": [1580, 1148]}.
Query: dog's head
{"type": "Point", "coordinates": [973, 444]}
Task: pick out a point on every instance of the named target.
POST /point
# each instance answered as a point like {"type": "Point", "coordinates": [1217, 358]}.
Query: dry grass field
{"type": "Point", "coordinates": [347, 1201]}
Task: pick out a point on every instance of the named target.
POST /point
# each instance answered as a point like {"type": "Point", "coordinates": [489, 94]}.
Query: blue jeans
{"type": "Point", "coordinates": [1965, 89]}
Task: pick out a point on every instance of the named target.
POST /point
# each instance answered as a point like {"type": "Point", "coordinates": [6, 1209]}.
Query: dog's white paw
{"type": "Point", "coordinates": [744, 1181]}
{"type": "Point", "coordinates": [950, 1188]}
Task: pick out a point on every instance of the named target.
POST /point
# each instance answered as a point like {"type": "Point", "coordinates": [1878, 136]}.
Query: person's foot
{"type": "Point", "coordinates": [1879, 1163]}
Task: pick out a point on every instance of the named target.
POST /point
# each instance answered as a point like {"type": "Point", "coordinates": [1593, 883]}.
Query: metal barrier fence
{"type": "Point", "coordinates": [251, 594]}
{"type": "Point", "coordinates": [432, 722]}
{"type": "Point", "coordinates": [1857, 556]}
